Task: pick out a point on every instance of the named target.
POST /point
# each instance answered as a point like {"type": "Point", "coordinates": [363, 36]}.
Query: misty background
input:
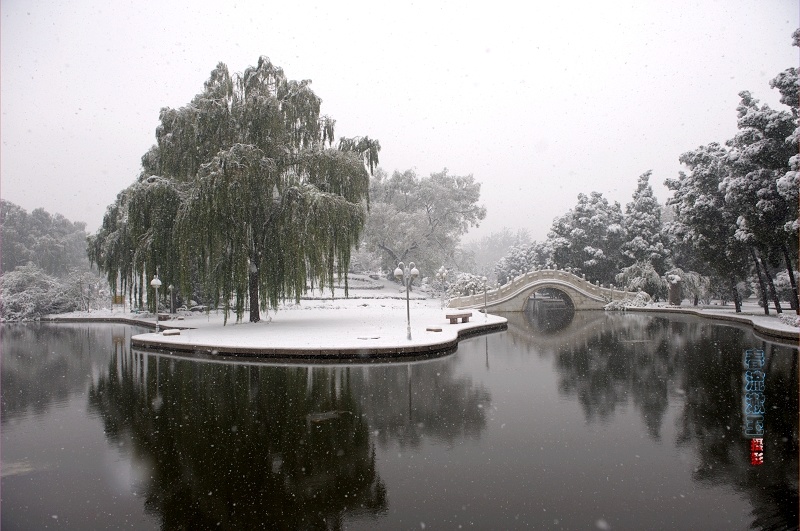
{"type": "Point", "coordinates": [539, 102]}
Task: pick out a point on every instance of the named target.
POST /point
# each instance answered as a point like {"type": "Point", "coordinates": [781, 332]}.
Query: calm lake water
{"type": "Point", "coordinates": [610, 421]}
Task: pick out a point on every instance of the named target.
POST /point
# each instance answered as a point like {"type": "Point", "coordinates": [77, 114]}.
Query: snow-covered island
{"type": "Point", "coordinates": [370, 323]}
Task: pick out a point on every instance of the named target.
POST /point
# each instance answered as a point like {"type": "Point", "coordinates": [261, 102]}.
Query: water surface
{"type": "Point", "coordinates": [605, 421]}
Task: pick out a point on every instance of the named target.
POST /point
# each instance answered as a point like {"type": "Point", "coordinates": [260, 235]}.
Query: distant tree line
{"type": "Point", "coordinates": [44, 264]}
{"type": "Point", "coordinates": [52, 243]}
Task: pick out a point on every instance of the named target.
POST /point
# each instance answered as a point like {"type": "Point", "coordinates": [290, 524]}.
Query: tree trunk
{"type": "Point", "coordinates": [392, 255]}
{"type": "Point", "coordinates": [141, 292]}
{"type": "Point", "coordinates": [789, 269]}
{"type": "Point", "coordinates": [764, 301]}
{"type": "Point", "coordinates": [771, 286]}
{"type": "Point", "coordinates": [255, 310]}
{"type": "Point", "coordinates": [736, 301]}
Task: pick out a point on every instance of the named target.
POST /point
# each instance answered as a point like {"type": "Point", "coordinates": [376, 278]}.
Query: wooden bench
{"type": "Point", "coordinates": [454, 317]}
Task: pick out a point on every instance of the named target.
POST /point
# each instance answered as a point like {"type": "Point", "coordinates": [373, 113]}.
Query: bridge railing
{"type": "Point", "coordinates": [521, 282]}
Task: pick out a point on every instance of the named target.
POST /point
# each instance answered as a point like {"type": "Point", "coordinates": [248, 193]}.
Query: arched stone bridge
{"type": "Point", "coordinates": [514, 296]}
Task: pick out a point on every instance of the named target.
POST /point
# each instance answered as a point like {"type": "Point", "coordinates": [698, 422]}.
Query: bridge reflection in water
{"type": "Point", "coordinates": [549, 310]}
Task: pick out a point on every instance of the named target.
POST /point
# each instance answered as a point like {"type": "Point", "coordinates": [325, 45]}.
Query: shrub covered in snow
{"type": "Point", "coordinates": [466, 284]}
{"type": "Point", "coordinates": [28, 292]}
{"type": "Point", "coordinates": [640, 300]}
{"type": "Point", "coordinates": [783, 286]}
{"type": "Point", "coordinates": [695, 285]}
{"type": "Point", "coordinates": [642, 276]}
{"type": "Point", "coordinates": [791, 320]}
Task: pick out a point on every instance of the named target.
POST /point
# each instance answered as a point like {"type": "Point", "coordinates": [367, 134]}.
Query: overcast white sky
{"type": "Point", "coordinates": [539, 102]}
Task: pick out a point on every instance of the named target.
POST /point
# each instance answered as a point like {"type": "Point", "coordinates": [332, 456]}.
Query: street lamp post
{"type": "Point", "coordinates": [171, 299]}
{"type": "Point", "coordinates": [485, 315]}
{"type": "Point", "coordinates": [407, 274]}
{"type": "Point", "coordinates": [156, 283]}
{"type": "Point", "coordinates": [441, 276]}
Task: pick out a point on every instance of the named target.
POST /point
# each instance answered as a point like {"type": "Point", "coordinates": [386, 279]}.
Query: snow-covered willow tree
{"type": "Point", "coordinates": [266, 206]}
{"type": "Point", "coordinates": [112, 249]}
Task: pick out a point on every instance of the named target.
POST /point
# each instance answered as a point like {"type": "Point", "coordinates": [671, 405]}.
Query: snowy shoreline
{"type": "Point", "coordinates": [356, 329]}
{"type": "Point", "coordinates": [370, 324]}
{"type": "Point", "coordinates": [366, 326]}
{"type": "Point", "coordinates": [765, 325]}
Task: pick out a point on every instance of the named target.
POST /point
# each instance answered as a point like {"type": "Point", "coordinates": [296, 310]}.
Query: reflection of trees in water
{"type": "Point", "coordinates": [409, 402]}
{"type": "Point", "coordinates": [610, 369]}
{"type": "Point", "coordinates": [283, 445]}
{"type": "Point", "coordinates": [44, 364]}
{"type": "Point", "coordinates": [713, 423]}
{"type": "Point", "coordinates": [605, 360]}
{"type": "Point", "coordinates": [242, 446]}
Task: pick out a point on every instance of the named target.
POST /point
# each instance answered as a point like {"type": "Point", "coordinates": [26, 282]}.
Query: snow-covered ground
{"type": "Point", "coordinates": [753, 314]}
{"type": "Point", "coordinates": [373, 317]}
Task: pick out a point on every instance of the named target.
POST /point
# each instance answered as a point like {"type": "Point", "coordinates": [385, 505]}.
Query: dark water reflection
{"type": "Point", "coordinates": [611, 421]}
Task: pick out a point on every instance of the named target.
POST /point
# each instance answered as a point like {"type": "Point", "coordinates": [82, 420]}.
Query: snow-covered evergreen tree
{"type": "Point", "coordinates": [523, 258]}
{"type": "Point", "coordinates": [759, 185]}
{"type": "Point", "coordinates": [587, 239]}
{"type": "Point", "coordinates": [643, 228]}
{"type": "Point", "coordinates": [788, 185]}
{"type": "Point", "coordinates": [704, 219]}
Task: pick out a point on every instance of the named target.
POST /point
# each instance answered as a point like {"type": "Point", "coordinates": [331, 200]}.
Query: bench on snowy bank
{"type": "Point", "coordinates": [454, 317]}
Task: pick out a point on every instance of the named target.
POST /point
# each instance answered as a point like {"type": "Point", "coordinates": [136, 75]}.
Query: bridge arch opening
{"type": "Point", "coordinates": [549, 310]}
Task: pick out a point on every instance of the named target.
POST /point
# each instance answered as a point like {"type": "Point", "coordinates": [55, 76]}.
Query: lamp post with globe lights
{"type": "Point", "coordinates": [441, 276]}
{"type": "Point", "coordinates": [156, 283]}
{"type": "Point", "coordinates": [407, 274]}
